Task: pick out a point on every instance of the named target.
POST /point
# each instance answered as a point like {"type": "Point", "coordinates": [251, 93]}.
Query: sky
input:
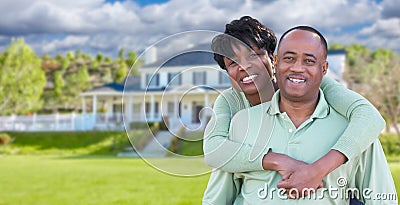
{"type": "Point", "coordinates": [105, 26]}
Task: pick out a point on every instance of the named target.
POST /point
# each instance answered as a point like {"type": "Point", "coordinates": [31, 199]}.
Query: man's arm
{"type": "Point", "coordinates": [373, 179]}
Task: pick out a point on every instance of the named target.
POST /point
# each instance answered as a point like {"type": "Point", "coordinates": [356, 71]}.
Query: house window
{"type": "Point", "coordinates": [156, 108]}
{"type": "Point", "coordinates": [148, 109]}
{"type": "Point", "coordinates": [199, 78]}
{"type": "Point", "coordinates": [136, 111]}
{"type": "Point", "coordinates": [153, 80]}
{"type": "Point", "coordinates": [174, 79]}
{"type": "Point", "coordinates": [224, 78]}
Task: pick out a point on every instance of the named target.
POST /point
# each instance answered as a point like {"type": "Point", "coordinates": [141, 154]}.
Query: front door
{"type": "Point", "coordinates": [196, 108]}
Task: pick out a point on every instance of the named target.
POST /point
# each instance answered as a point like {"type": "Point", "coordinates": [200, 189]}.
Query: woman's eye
{"type": "Point", "coordinates": [253, 55]}
{"type": "Point", "coordinates": [288, 58]}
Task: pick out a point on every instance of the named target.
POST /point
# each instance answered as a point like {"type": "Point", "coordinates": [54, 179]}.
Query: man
{"type": "Point", "coordinates": [294, 120]}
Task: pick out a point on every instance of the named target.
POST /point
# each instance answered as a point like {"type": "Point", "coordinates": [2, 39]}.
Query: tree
{"type": "Point", "coordinates": [376, 75]}
{"type": "Point", "coordinates": [121, 70]}
{"type": "Point", "coordinates": [133, 63]}
{"type": "Point", "coordinates": [21, 79]}
{"type": "Point", "coordinates": [75, 84]}
{"type": "Point", "coordinates": [385, 84]}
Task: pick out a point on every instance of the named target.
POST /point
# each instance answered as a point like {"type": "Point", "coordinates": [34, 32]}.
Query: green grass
{"type": "Point", "coordinates": [93, 180]}
{"type": "Point", "coordinates": [101, 180]}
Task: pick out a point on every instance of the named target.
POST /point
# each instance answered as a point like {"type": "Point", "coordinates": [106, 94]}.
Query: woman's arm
{"type": "Point", "coordinates": [365, 121]}
{"type": "Point", "coordinates": [219, 151]}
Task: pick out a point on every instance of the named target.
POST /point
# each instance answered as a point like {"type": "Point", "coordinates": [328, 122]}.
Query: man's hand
{"type": "Point", "coordinates": [296, 175]}
{"type": "Point", "coordinates": [302, 181]}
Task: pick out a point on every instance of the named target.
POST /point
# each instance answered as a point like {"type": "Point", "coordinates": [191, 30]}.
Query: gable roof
{"type": "Point", "coordinates": [198, 55]}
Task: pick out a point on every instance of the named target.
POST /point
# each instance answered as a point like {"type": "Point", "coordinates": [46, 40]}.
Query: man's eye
{"type": "Point", "coordinates": [310, 61]}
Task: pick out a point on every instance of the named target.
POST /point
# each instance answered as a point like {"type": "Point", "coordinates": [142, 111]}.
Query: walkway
{"type": "Point", "coordinates": [155, 148]}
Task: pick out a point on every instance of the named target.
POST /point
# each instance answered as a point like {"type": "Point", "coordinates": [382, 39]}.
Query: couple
{"type": "Point", "coordinates": [312, 134]}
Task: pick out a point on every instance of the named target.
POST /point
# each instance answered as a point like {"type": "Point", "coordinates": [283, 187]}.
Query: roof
{"type": "Point", "coordinates": [336, 52]}
{"type": "Point", "coordinates": [110, 87]}
{"type": "Point", "coordinates": [132, 83]}
{"type": "Point", "coordinates": [198, 55]}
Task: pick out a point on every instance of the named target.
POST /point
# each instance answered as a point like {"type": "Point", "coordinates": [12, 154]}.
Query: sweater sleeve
{"type": "Point", "coordinates": [219, 151]}
{"type": "Point", "coordinates": [365, 121]}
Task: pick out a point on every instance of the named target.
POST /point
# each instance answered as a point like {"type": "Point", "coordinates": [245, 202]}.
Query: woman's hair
{"type": "Point", "coordinates": [246, 30]}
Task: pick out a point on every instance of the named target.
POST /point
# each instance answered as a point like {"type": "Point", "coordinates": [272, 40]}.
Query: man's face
{"type": "Point", "coordinates": [301, 65]}
{"type": "Point", "coordinates": [249, 69]}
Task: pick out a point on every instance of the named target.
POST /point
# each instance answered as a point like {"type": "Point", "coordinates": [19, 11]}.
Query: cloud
{"type": "Point", "coordinates": [97, 26]}
{"type": "Point", "coordinates": [389, 28]}
{"type": "Point", "coordinates": [76, 42]}
{"type": "Point", "coordinates": [390, 9]}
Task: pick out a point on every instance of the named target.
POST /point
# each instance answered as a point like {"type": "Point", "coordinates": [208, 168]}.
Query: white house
{"type": "Point", "coordinates": [176, 89]}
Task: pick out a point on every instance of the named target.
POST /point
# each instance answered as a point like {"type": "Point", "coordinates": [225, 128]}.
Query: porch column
{"type": "Point", "coordinates": [83, 105]}
{"type": "Point", "coordinates": [143, 111]}
{"type": "Point", "coordinates": [83, 115]}
{"type": "Point", "coordinates": [152, 108]}
{"type": "Point", "coordinates": [176, 107]}
{"type": "Point", "coordinates": [205, 112]}
{"type": "Point", "coordinates": [94, 107]}
{"type": "Point", "coordinates": [206, 99]}
{"type": "Point", "coordinates": [129, 110]}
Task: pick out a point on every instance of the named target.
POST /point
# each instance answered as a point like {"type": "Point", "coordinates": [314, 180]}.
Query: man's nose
{"type": "Point", "coordinates": [297, 67]}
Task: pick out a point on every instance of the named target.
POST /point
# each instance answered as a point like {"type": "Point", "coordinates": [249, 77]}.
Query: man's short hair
{"type": "Point", "coordinates": [310, 29]}
{"type": "Point", "coordinates": [246, 30]}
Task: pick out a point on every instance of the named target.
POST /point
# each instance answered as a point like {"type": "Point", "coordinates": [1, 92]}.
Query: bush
{"type": "Point", "coordinates": [4, 139]}
{"type": "Point", "coordinates": [390, 143]}
{"type": "Point", "coordinates": [144, 125]}
{"type": "Point", "coordinates": [176, 142]}
{"type": "Point", "coordinates": [99, 142]}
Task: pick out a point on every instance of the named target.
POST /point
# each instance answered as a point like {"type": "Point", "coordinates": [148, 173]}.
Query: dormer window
{"type": "Point", "coordinates": [152, 80]}
{"type": "Point", "coordinates": [174, 79]}
{"type": "Point", "coordinates": [199, 78]}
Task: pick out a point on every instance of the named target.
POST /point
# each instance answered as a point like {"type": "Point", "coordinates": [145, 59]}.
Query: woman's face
{"type": "Point", "coordinates": [249, 69]}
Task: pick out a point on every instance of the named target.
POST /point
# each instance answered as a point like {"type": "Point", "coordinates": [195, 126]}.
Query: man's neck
{"type": "Point", "coordinates": [298, 112]}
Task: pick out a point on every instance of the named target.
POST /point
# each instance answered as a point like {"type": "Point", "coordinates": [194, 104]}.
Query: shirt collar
{"type": "Point", "coordinates": [321, 111]}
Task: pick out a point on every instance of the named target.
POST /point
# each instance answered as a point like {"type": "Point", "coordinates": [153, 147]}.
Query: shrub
{"type": "Point", "coordinates": [4, 139]}
{"type": "Point", "coordinates": [390, 143]}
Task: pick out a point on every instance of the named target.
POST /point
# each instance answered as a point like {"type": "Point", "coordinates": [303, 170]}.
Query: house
{"type": "Point", "coordinates": [177, 90]}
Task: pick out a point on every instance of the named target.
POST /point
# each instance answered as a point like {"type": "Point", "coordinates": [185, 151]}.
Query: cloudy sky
{"type": "Point", "coordinates": [105, 26]}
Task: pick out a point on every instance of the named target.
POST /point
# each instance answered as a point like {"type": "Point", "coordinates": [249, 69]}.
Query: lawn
{"type": "Point", "coordinates": [93, 180]}
{"type": "Point", "coordinates": [97, 180]}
